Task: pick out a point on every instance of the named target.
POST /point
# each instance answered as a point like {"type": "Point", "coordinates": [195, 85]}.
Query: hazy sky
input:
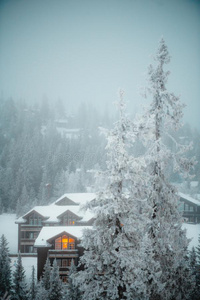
{"type": "Point", "coordinates": [85, 50]}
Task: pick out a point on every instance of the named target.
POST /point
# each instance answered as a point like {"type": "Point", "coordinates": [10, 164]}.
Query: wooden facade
{"type": "Point", "coordinates": [63, 247]}
{"type": "Point", "coordinates": [190, 209]}
{"type": "Point", "coordinates": [63, 217]}
{"type": "Point", "coordinates": [62, 212]}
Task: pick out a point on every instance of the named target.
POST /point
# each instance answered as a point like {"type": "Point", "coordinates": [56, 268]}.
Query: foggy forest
{"type": "Point", "coordinates": [99, 150]}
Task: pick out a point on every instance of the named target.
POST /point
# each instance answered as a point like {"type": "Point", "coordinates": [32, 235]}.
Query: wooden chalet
{"type": "Point", "coordinates": [190, 208]}
{"type": "Point", "coordinates": [61, 243]}
{"type": "Point", "coordinates": [55, 231]}
{"type": "Point", "coordinates": [66, 211]}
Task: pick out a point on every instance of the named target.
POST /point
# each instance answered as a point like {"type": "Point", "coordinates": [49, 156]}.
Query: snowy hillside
{"type": "Point", "coordinates": [10, 230]}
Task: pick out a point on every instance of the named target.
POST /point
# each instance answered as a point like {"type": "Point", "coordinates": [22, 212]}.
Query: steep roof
{"type": "Point", "coordinates": [189, 199]}
{"type": "Point", "coordinates": [68, 202]}
{"type": "Point", "coordinates": [78, 198]}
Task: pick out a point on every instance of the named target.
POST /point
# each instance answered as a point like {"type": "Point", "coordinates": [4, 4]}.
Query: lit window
{"type": "Point", "coordinates": [64, 243]}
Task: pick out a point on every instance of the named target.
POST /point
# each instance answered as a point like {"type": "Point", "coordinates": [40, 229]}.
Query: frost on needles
{"type": "Point", "coordinates": [168, 240]}
{"type": "Point", "coordinates": [137, 249]}
{"type": "Point", "coordinates": [117, 255]}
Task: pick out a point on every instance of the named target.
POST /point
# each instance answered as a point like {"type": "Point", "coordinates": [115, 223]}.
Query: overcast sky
{"type": "Point", "coordinates": [85, 50]}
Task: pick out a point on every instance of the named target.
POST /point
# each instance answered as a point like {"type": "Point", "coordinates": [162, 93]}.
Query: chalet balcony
{"type": "Point", "coordinates": [63, 253]}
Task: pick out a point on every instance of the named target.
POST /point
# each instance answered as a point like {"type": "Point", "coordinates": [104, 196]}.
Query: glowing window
{"type": "Point", "coordinates": [64, 243]}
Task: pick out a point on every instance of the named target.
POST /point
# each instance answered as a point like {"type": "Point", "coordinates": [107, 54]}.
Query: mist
{"type": "Point", "coordinates": [84, 51]}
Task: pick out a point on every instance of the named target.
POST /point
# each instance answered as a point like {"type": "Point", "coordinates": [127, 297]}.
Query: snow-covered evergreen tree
{"type": "Point", "coordinates": [194, 272]}
{"type": "Point", "coordinates": [46, 275]}
{"type": "Point", "coordinates": [198, 251]}
{"type": "Point", "coordinates": [23, 204]}
{"type": "Point", "coordinates": [5, 270]}
{"type": "Point", "coordinates": [115, 258]}
{"type": "Point", "coordinates": [33, 289]}
{"type": "Point", "coordinates": [169, 241]}
{"type": "Point", "coordinates": [198, 265]}
{"type": "Point", "coordinates": [56, 287]}
{"type": "Point", "coordinates": [73, 292]}
{"type": "Point", "coordinates": [19, 287]}
{"type": "Point", "coordinates": [41, 293]}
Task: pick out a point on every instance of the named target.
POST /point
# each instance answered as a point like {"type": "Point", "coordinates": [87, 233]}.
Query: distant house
{"type": "Point", "coordinates": [190, 208]}
{"type": "Point", "coordinates": [55, 230]}
{"type": "Point", "coordinates": [66, 211]}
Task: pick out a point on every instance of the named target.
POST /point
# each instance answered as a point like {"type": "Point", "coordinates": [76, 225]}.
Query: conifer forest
{"type": "Point", "coordinates": [99, 150]}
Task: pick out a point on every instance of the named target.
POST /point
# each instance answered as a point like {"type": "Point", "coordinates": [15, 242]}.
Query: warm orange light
{"type": "Point", "coordinates": [65, 240]}
{"type": "Point", "coordinates": [71, 240]}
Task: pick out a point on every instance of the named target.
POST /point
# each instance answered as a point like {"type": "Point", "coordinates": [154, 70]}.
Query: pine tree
{"type": "Point", "coordinates": [41, 293]}
{"type": "Point", "coordinates": [5, 270]}
{"type": "Point", "coordinates": [32, 289]}
{"type": "Point", "coordinates": [194, 273]}
{"type": "Point", "coordinates": [198, 265]}
{"type": "Point", "coordinates": [46, 275]}
{"type": "Point", "coordinates": [116, 249]}
{"type": "Point", "coordinates": [168, 240]}
{"type": "Point", "coordinates": [73, 292]}
{"type": "Point", "coordinates": [23, 204]}
{"type": "Point", "coordinates": [56, 288]}
{"type": "Point", "coordinates": [19, 287]}
{"type": "Point", "coordinates": [198, 251]}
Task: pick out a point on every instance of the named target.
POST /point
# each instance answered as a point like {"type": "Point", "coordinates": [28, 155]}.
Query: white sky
{"type": "Point", "coordinates": [85, 50]}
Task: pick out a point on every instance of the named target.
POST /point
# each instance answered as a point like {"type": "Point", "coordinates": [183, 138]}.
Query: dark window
{"type": "Point", "coordinates": [69, 219]}
{"type": "Point", "coordinates": [34, 219]}
{"type": "Point", "coordinates": [66, 262]}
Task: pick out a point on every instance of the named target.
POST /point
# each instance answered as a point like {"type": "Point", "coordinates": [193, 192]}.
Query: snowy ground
{"type": "Point", "coordinates": [193, 232]}
{"type": "Point", "coordinates": [27, 263]}
{"type": "Point", "coordinates": [10, 230]}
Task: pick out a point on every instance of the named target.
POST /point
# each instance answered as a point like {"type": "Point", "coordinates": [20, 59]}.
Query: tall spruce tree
{"type": "Point", "coordinates": [41, 293]}
{"type": "Point", "coordinates": [46, 275]}
{"type": "Point", "coordinates": [168, 240]}
{"type": "Point", "coordinates": [198, 265]}
{"type": "Point", "coordinates": [117, 249]}
{"type": "Point", "coordinates": [194, 272]}
{"type": "Point", "coordinates": [73, 292]}
{"type": "Point", "coordinates": [5, 269]}
{"type": "Point", "coordinates": [33, 289]}
{"type": "Point", "coordinates": [56, 287]}
{"type": "Point", "coordinates": [19, 287]}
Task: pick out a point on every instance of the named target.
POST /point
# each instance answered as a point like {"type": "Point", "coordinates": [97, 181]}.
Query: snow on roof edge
{"type": "Point", "coordinates": [189, 198]}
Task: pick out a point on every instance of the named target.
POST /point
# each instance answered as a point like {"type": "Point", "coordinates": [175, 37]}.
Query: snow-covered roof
{"type": "Point", "coordinates": [53, 211]}
{"type": "Point", "coordinates": [49, 232]}
{"type": "Point", "coordinates": [79, 198]}
{"type": "Point", "coordinates": [189, 198]}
